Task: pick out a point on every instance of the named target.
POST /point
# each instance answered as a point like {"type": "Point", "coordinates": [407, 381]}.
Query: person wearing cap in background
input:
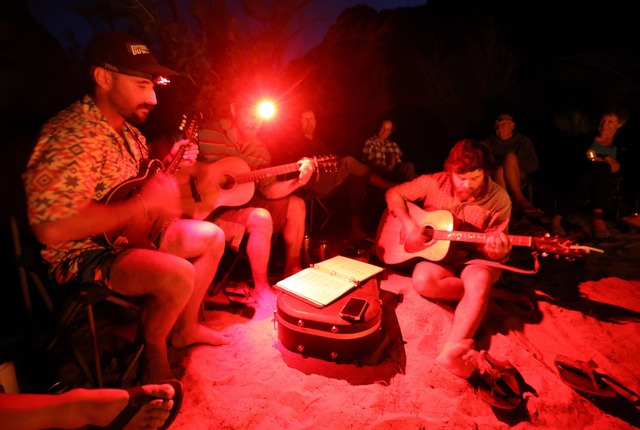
{"type": "Point", "coordinates": [515, 159]}
{"type": "Point", "coordinates": [82, 154]}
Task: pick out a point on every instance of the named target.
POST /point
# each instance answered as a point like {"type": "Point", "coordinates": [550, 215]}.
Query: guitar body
{"type": "Point", "coordinates": [391, 236]}
{"type": "Point", "coordinates": [144, 229]}
{"type": "Point", "coordinates": [217, 186]}
{"type": "Point", "coordinates": [229, 181]}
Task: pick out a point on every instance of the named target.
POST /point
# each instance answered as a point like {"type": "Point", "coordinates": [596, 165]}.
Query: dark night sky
{"type": "Point", "coordinates": [62, 21]}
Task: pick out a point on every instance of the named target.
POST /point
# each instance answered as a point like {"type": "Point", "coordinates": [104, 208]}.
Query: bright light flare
{"type": "Point", "coordinates": [266, 109]}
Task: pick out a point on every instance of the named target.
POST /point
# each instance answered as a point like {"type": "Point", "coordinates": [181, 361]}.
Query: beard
{"type": "Point", "coordinates": [139, 115]}
{"type": "Point", "coordinates": [466, 193]}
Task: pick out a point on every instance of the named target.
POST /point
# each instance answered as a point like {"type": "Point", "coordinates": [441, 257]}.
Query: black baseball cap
{"type": "Point", "coordinates": [122, 53]}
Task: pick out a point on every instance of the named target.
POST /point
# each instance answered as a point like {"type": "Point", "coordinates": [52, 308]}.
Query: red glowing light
{"type": "Point", "coordinates": [266, 109]}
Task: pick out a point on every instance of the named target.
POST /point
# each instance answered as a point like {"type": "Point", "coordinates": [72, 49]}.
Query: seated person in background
{"type": "Point", "coordinates": [515, 159]}
{"type": "Point", "coordinates": [384, 155]}
{"type": "Point", "coordinates": [91, 148]}
{"type": "Point", "coordinates": [273, 206]}
{"type": "Point", "coordinates": [594, 177]}
{"type": "Point", "coordinates": [350, 172]}
{"type": "Point", "coordinates": [81, 407]}
{"type": "Point", "coordinates": [465, 189]}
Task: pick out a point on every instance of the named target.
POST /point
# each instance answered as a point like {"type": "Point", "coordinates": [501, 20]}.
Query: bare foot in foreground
{"type": "Point", "coordinates": [154, 413]}
{"type": "Point", "coordinates": [266, 301]}
{"type": "Point", "coordinates": [460, 358]}
{"type": "Point", "coordinates": [203, 335]}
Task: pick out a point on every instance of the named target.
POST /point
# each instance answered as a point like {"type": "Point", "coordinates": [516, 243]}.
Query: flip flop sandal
{"type": "Point", "coordinates": [238, 293]}
{"type": "Point", "coordinates": [137, 399]}
{"type": "Point", "coordinates": [583, 377]}
{"type": "Point", "coordinates": [498, 384]}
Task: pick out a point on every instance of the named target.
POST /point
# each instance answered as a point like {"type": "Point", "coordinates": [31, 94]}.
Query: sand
{"type": "Point", "coordinates": [589, 309]}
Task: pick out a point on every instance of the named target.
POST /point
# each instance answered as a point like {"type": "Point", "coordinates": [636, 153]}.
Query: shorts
{"type": "Point", "coordinates": [91, 266]}
{"type": "Point", "coordinates": [233, 221]}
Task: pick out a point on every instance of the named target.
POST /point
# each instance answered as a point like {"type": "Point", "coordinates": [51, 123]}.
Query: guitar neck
{"type": "Point", "coordinates": [463, 236]}
{"type": "Point", "coordinates": [175, 162]}
{"type": "Point", "coordinates": [256, 175]}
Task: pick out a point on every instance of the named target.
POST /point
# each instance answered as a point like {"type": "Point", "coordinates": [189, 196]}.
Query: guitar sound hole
{"type": "Point", "coordinates": [228, 182]}
{"type": "Point", "coordinates": [427, 233]}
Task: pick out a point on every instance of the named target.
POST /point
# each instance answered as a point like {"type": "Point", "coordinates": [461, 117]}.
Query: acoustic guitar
{"type": "Point", "coordinates": [438, 230]}
{"type": "Point", "coordinates": [142, 232]}
{"type": "Point", "coordinates": [231, 182]}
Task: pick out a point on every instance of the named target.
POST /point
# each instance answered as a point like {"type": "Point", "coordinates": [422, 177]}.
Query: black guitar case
{"type": "Point", "coordinates": [322, 333]}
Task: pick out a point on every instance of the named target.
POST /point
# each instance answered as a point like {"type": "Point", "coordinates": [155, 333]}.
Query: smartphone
{"type": "Point", "coordinates": [354, 309]}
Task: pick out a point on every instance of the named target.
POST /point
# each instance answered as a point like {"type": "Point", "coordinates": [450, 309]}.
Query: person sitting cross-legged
{"type": "Point", "coordinates": [465, 190]}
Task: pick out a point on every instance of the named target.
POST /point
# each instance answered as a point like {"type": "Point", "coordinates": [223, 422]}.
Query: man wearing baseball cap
{"type": "Point", "coordinates": [515, 160]}
{"type": "Point", "coordinates": [92, 148]}
{"type": "Point", "coordinates": [122, 53]}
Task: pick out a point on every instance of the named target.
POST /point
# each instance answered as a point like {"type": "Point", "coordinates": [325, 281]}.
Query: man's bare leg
{"type": "Point", "coordinates": [260, 231]}
{"type": "Point", "coordinates": [294, 234]}
{"type": "Point", "coordinates": [202, 244]}
{"type": "Point", "coordinates": [513, 180]}
{"type": "Point", "coordinates": [473, 290]}
{"type": "Point", "coordinates": [82, 407]}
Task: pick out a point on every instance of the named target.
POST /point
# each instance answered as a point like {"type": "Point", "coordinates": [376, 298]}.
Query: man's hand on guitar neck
{"type": "Point", "coordinates": [497, 246]}
{"type": "Point", "coordinates": [307, 169]}
{"type": "Point", "coordinates": [190, 153]}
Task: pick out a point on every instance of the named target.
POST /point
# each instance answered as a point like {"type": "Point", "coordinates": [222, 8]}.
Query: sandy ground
{"type": "Point", "coordinates": [589, 309]}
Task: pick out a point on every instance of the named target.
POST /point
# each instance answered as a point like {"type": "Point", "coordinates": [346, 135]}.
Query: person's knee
{"type": "Point", "coordinates": [213, 237]}
{"type": "Point", "coordinates": [425, 284]}
{"type": "Point", "coordinates": [510, 158]}
{"type": "Point", "coordinates": [353, 166]}
{"type": "Point", "coordinates": [260, 220]}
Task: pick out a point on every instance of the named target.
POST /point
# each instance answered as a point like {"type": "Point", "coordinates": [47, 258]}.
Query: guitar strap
{"type": "Point", "coordinates": [536, 265]}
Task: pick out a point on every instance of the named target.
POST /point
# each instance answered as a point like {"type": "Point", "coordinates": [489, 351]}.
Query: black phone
{"type": "Point", "coordinates": [354, 309]}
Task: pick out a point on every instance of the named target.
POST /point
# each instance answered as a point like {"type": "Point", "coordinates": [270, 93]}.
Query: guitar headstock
{"type": "Point", "coordinates": [561, 246]}
{"type": "Point", "coordinates": [189, 126]}
{"type": "Point", "coordinates": [326, 163]}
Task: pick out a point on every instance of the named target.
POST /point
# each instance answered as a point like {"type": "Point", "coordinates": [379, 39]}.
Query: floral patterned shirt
{"type": "Point", "coordinates": [78, 159]}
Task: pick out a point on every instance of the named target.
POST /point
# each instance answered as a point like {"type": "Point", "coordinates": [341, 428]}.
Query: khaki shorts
{"type": "Point", "coordinates": [233, 221]}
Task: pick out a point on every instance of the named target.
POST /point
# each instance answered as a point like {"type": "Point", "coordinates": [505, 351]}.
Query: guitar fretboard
{"type": "Point", "coordinates": [462, 236]}
{"type": "Point", "coordinates": [256, 175]}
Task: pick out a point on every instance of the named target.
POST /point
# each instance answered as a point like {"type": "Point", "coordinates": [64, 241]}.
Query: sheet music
{"type": "Point", "coordinates": [327, 281]}
{"type": "Point", "coordinates": [348, 268]}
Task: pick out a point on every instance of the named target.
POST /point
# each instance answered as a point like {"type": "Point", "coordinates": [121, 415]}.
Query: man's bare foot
{"type": "Point", "coordinates": [152, 414]}
{"type": "Point", "coordinates": [459, 358]}
{"type": "Point", "coordinates": [201, 335]}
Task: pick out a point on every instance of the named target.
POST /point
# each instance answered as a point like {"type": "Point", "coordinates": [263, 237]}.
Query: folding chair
{"type": "Point", "coordinates": [88, 295]}
{"type": "Point", "coordinates": [319, 206]}
{"type": "Point", "coordinates": [32, 267]}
